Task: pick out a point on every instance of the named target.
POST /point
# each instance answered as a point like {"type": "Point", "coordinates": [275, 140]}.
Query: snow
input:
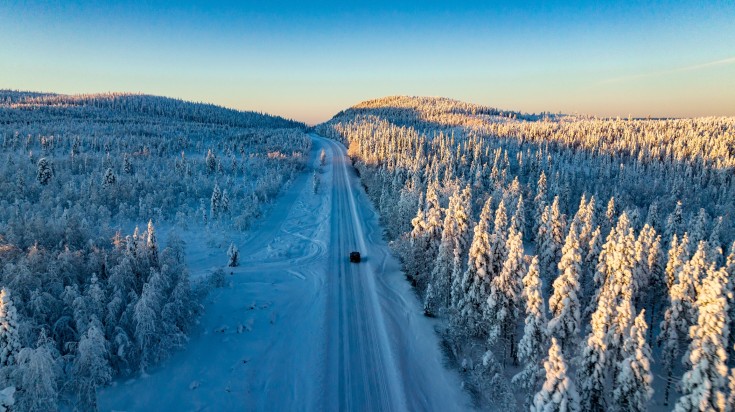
{"type": "Point", "coordinates": [299, 327]}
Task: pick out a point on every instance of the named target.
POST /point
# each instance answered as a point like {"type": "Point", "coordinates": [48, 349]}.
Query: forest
{"type": "Point", "coordinates": [88, 293]}
{"type": "Point", "coordinates": [574, 263]}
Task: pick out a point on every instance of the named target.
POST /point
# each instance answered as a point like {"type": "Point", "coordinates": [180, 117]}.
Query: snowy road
{"type": "Point", "coordinates": [300, 327]}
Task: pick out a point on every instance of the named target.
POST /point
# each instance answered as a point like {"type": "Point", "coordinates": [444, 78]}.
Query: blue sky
{"type": "Point", "coordinates": [308, 60]}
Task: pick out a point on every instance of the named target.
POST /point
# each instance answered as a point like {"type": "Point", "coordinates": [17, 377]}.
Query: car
{"type": "Point", "coordinates": [355, 257]}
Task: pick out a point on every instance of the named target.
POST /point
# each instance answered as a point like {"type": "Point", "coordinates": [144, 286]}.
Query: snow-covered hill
{"type": "Point", "coordinates": [623, 229]}
{"type": "Point", "coordinates": [86, 295]}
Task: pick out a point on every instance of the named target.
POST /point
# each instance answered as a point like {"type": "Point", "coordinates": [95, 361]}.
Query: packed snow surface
{"type": "Point", "coordinates": [299, 327]}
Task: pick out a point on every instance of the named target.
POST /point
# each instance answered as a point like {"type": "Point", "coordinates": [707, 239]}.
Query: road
{"type": "Point", "coordinates": [380, 355]}
{"type": "Point", "coordinates": [299, 327]}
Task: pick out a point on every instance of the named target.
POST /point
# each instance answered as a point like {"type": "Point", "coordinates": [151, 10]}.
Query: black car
{"type": "Point", "coordinates": [355, 257]}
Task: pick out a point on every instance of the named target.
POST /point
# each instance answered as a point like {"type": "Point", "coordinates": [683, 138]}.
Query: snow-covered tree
{"type": "Point", "coordinates": [7, 399]}
{"type": "Point", "coordinates": [109, 179]}
{"type": "Point", "coordinates": [91, 366]}
{"type": "Point", "coordinates": [674, 222]}
{"type": "Point", "coordinates": [677, 256]}
{"type": "Point", "coordinates": [519, 216]}
{"type": "Point", "coordinates": [9, 333]}
{"type": "Point", "coordinates": [44, 171]}
{"type": "Point", "coordinates": [704, 385]}
{"type": "Point", "coordinates": [233, 254]}
{"type": "Point", "coordinates": [564, 304]}
{"type": "Point", "coordinates": [593, 359]}
{"type": "Point", "coordinates": [558, 393]}
{"type": "Point", "coordinates": [426, 238]}
{"type": "Point", "coordinates": [37, 374]}
{"type": "Point", "coordinates": [533, 344]}
{"type": "Point", "coordinates": [147, 328]}
{"type": "Point", "coordinates": [499, 251]}
{"type": "Point", "coordinates": [453, 247]}
{"type": "Point", "coordinates": [632, 390]}
{"type": "Point", "coordinates": [215, 202]}
{"type": "Point", "coordinates": [211, 161]}
{"type": "Point", "coordinates": [550, 240]}
{"type": "Point", "coordinates": [540, 203]}
{"type": "Point", "coordinates": [476, 280]}
{"type": "Point", "coordinates": [503, 304]}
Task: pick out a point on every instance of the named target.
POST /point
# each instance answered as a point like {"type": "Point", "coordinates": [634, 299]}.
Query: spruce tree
{"type": "Point", "coordinates": [558, 393]}
{"type": "Point", "coordinates": [233, 254]}
{"type": "Point", "coordinates": [215, 202]}
{"type": "Point", "coordinates": [632, 390]}
{"type": "Point", "coordinates": [44, 171]}
{"type": "Point", "coordinates": [91, 366]}
{"type": "Point", "coordinates": [476, 278]}
{"type": "Point", "coordinates": [592, 370]}
{"type": "Point", "coordinates": [533, 344]}
{"type": "Point", "coordinates": [704, 385]}
{"type": "Point", "coordinates": [9, 334]}
{"type": "Point", "coordinates": [37, 375]}
{"type": "Point", "coordinates": [499, 250]}
{"type": "Point", "coordinates": [679, 317]}
{"type": "Point", "coordinates": [564, 304]}
{"type": "Point", "coordinates": [503, 303]}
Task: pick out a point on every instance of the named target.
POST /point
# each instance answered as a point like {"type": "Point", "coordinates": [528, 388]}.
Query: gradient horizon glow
{"type": "Point", "coordinates": [308, 60]}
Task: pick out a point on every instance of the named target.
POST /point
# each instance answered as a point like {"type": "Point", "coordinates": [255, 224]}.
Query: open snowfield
{"type": "Point", "coordinates": [299, 327]}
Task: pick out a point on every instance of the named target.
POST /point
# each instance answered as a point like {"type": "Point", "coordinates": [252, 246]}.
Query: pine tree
{"type": "Point", "coordinates": [550, 241]}
{"type": "Point", "coordinates": [414, 262]}
{"type": "Point", "coordinates": [657, 285]}
{"type": "Point", "coordinates": [9, 334]}
{"type": "Point", "coordinates": [703, 386]}
{"type": "Point", "coordinates": [715, 251]}
{"type": "Point", "coordinates": [543, 250]}
{"type": "Point", "coordinates": [44, 171]}
{"type": "Point", "coordinates": [110, 179]}
{"type": "Point", "coordinates": [591, 259]}
{"type": "Point", "coordinates": [503, 302]}
{"type": "Point", "coordinates": [127, 165]}
{"type": "Point", "coordinates": [476, 278]}
{"type": "Point", "coordinates": [539, 202]}
{"type": "Point", "coordinates": [225, 203]}
{"type": "Point", "coordinates": [37, 374]}
{"type": "Point", "coordinates": [211, 161]}
{"type": "Point", "coordinates": [611, 213]}
{"type": "Point", "coordinates": [91, 367]}
{"type": "Point", "coordinates": [234, 256]}
{"type": "Point", "coordinates": [564, 303]}
{"type": "Point", "coordinates": [698, 227]}
{"type": "Point", "coordinates": [730, 268]}
{"type": "Point", "coordinates": [146, 318]}
{"type": "Point", "coordinates": [519, 216]}
{"type": "Point", "coordinates": [452, 251]}
{"type": "Point", "coordinates": [499, 240]}
{"type": "Point", "coordinates": [558, 392]}
{"type": "Point", "coordinates": [679, 317]}
{"type": "Point", "coordinates": [592, 372]}
{"type": "Point", "coordinates": [461, 249]}
{"type": "Point", "coordinates": [676, 260]}
{"type": "Point", "coordinates": [215, 202]}
{"type": "Point", "coordinates": [632, 389]}
{"type": "Point", "coordinates": [151, 245]}
{"type": "Point", "coordinates": [533, 344]}
{"type": "Point", "coordinates": [674, 222]}
{"type": "Point", "coordinates": [429, 247]}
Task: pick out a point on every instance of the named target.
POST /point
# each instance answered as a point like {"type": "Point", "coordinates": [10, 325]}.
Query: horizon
{"type": "Point", "coordinates": [660, 59]}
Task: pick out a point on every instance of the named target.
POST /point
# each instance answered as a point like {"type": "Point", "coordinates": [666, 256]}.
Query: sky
{"type": "Point", "coordinates": [308, 60]}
